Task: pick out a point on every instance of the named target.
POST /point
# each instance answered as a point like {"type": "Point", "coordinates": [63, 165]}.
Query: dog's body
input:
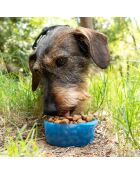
{"type": "Point", "coordinates": [61, 59]}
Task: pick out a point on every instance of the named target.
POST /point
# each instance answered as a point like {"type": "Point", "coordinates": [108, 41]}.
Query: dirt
{"type": "Point", "coordinates": [104, 145]}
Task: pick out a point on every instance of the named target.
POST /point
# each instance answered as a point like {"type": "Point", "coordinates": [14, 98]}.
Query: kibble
{"type": "Point", "coordinates": [84, 117]}
{"type": "Point", "coordinates": [89, 118]}
{"type": "Point", "coordinates": [51, 119]}
{"type": "Point", "coordinates": [65, 121]}
{"type": "Point", "coordinates": [57, 121]}
{"type": "Point", "coordinates": [81, 121]}
{"type": "Point", "coordinates": [71, 119]}
{"type": "Point", "coordinates": [76, 117]}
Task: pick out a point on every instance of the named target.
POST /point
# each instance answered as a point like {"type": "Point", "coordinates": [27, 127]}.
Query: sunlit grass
{"type": "Point", "coordinates": [16, 95]}
{"type": "Point", "coordinates": [125, 105]}
{"type": "Point", "coordinates": [119, 95]}
{"type": "Point", "coordinates": [21, 145]}
{"type": "Point", "coordinates": [18, 102]}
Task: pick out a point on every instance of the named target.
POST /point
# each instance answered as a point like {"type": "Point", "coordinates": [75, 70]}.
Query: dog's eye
{"type": "Point", "coordinates": [61, 61]}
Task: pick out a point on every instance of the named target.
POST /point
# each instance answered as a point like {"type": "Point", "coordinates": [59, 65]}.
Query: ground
{"type": "Point", "coordinates": [103, 146]}
{"type": "Point", "coordinates": [105, 143]}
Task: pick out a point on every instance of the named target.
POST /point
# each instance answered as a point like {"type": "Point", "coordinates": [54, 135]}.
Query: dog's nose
{"type": "Point", "coordinates": [50, 109]}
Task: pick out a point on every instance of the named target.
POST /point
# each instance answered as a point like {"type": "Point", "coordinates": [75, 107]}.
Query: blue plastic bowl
{"type": "Point", "coordinates": [65, 135]}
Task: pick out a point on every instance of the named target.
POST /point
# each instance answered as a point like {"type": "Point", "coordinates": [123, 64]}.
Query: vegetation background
{"type": "Point", "coordinates": [115, 91]}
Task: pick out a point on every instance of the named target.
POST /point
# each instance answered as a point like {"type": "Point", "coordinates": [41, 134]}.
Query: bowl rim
{"type": "Point", "coordinates": [93, 122]}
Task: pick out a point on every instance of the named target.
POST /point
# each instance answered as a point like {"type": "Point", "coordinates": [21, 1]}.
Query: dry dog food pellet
{"type": "Point", "coordinates": [66, 121]}
{"type": "Point", "coordinates": [81, 121]}
{"type": "Point", "coordinates": [84, 117]}
{"type": "Point", "coordinates": [89, 118]}
{"type": "Point", "coordinates": [51, 119]}
{"type": "Point", "coordinates": [57, 121]}
{"type": "Point", "coordinates": [76, 117]}
{"type": "Point", "coordinates": [71, 119]}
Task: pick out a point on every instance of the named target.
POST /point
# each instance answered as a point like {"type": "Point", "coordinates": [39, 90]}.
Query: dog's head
{"type": "Point", "coordinates": [60, 59]}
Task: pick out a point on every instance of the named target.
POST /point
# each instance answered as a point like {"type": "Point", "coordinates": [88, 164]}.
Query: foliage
{"type": "Point", "coordinates": [18, 34]}
{"type": "Point", "coordinates": [123, 36]}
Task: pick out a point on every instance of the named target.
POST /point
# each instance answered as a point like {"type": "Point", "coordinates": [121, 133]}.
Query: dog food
{"type": "Point", "coordinates": [71, 119]}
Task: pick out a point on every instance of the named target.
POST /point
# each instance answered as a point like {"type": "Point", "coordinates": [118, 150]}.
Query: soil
{"type": "Point", "coordinates": [104, 145]}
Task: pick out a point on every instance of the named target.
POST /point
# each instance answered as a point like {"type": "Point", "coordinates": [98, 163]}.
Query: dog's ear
{"type": "Point", "coordinates": [94, 45]}
{"type": "Point", "coordinates": [34, 67]}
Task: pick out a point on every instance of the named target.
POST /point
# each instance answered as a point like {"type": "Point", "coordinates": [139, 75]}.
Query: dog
{"type": "Point", "coordinates": [60, 61]}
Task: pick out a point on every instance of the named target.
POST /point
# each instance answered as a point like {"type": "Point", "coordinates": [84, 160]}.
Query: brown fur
{"type": "Point", "coordinates": [69, 97]}
{"type": "Point", "coordinates": [61, 61]}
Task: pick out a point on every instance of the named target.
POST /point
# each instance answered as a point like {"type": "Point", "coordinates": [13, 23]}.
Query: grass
{"type": "Point", "coordinates": [125, 105]}
{"type": "Point", "coordinates": [114, 91]}
{"type": "Point", "coordinates": [120, 96]}
{"type": "Point", "coordinates": [21, 146]}
{"type": "Point", "coordinates": [16, 95]}
{"type": "Point", "coordinates": [16, 105]}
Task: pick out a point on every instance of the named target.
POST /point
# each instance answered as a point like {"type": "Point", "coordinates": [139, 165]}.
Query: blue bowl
{"type": "Point", "coordinates": [65, 135]}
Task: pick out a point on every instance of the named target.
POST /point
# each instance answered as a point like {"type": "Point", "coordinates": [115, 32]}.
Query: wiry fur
{"type": "Point", "coordinates": [61, 61]}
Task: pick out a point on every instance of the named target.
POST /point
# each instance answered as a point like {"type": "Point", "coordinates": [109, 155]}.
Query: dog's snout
{"type": "Point", "coordinates": [50, 107]}
{"type": "Point", "coordinates": [36, 67]}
